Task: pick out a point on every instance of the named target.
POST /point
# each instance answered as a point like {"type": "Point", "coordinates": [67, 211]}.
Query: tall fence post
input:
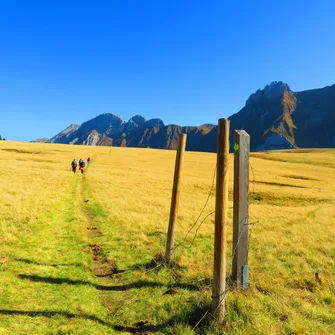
{"type": "Point", "coordinates": [221, 209]}
{"type": "Point", "coordinates": [241, 207]}
{"type": "Point", "coordinates": [175, 197]}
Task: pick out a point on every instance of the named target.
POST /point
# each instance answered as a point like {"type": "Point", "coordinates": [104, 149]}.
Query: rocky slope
{"type": "Point", "coordinates": [275, 118]}
{"type": "Point", "coordinates": [40, 140]}
{"type": "Point", "coordinates": [65, 135]}
{"type": "Point", "coordinates": [278, 118]}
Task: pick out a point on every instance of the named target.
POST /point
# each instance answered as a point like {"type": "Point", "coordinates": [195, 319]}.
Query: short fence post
{"type": "Point", "coordinates": [221, 209]}
{"type": "Point", "coordinates": [175, 197]}
{"type": "Point", "coordinates": [241, 207]}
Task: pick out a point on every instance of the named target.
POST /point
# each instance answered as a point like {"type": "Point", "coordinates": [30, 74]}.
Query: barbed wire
{"type": "Point", "coordinates": [231, 286]}
{"type": "Point", "coordinates": [204, 207]}
{"type": "Point", "coordinates": [182, 244]}
{"type": "Point", "coordinates": [128, 300]}
{"type": "Point", "coordinates": [253, 177]}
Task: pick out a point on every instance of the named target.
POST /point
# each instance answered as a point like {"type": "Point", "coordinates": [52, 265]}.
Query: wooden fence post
{"type": "Point", "coordinates": [241, 207]}
{"type": "Point", "coordinates": [175, 197]}
{"type": "Point", "coordinates": [221, 209]}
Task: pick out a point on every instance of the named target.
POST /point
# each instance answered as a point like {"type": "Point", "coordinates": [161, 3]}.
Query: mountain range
{"type": "Point", "coordinates": [274, 117]}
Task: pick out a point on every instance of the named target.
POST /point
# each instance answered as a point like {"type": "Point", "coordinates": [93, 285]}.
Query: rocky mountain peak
{"type": "Point", "coordinates": [274, 117]}
{"type": "Point", "coordinates": [110, 117]}
{"type": "Point", "coordinates": [71, 127]}
{"type": "Point", "coordinates": [64, 134]}
{"type": "Point", "coordinates": [138, 119]}
{"type": "Point", "coordinates": [276, 88]}
{"type": "Point", "coordinates": [104, 123]}
{"type": "Point", "coordinates": [158, 123]}
{"type": "Point", "coordinates": [270, 91]}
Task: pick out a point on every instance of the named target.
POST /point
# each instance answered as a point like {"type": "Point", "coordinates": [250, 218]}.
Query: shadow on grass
{"type": "Point", "coordinates": [188, 317]}
{"type": "Point", "coordinates": [50, 314]}
{"type": "Point", "coordinates": [193, 316]}
{"type": "Point", "coordinates": [278, 184]}
{"type": "Point", "coordinates": [157, 263]}
{"type": "Point", "coordinates": [183, 286]}
{"type": "Point", "coordinates": [59, 281]}
{"type": "Point", "coordinates": [29, 261]}
{"type": "Point", "coordinates": [119, 328]}
{"type": "Point", "coordinates": [138, 284]}
{"type": "Point", "coordinates": [143, 329]}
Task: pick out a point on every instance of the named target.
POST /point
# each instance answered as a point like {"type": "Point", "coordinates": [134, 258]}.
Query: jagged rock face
{"type": "Point", "coordinates": [263, 114]}
{"type": "Point", "coordinates": [104, 124]}
{"type": "Point", "coordinates": [65, 135]}
{"type": "Point", "coordinates": [40, 140]}
{"type": "Point", "coordinates": [135, 122]}
{"type": "Point", "coordinates": [273, 90]}
{"type": "Point", "coordinates": [93, 138]}
{"type": "Point", "coordinates": [108, 128]}
{"type": "Point", "coordinates": [303, 119]}
{"type": "Point", "coordinates": [105, 141]}
{"type": "Point", "coordinates": [157, 123]}
{"type": "Point", "coordinates": [275, 142]}
{"type": "Point", "coordinates": [275, 118]}
{"type": "Point", "coordinates": [315, 118]}
{"type": "Point", "coordinates": [137, 119]}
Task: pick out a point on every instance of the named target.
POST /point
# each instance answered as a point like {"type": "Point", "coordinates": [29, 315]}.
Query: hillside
{"type": "Point", "coordinates": [40, 140]}
{"type": "Point", "coordinates": [76, 252]}
{"type": "Point", "coordinates": [275, 118]}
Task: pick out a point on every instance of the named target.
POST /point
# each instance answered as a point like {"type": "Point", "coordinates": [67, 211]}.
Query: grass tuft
{"type": "Point", "coordinates": [84, 254]}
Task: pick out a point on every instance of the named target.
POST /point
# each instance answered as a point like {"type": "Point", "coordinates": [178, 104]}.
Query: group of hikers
{"type": "Point", "coordinates": [81, 164]}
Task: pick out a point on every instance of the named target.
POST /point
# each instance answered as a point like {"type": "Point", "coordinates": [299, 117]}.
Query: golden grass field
{"type": "Point", "coordinates": [51, 220]}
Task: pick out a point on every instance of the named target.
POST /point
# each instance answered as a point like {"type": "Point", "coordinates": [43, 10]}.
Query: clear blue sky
{"type": "Point", "coordinates": [186, 62]}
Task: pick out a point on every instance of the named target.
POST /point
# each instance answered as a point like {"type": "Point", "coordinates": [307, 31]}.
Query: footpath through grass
{"type": "Point", "coordinates": [77, 252]}
{"type": "Point", "coordinates": [46, 284]}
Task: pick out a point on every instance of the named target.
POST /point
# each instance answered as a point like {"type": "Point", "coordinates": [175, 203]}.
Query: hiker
{"type": "Point", "coordinates": [74, 165]}
{"type": "Point", "coordinates": [81, 165]}
{"type": "Point", "coordinates": [88, 161]}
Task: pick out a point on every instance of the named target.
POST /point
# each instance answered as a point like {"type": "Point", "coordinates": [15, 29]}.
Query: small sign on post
{"type": "Point", "coordinates": [241, 207]}
{"type": "Point", "coordinates": [175, 197]}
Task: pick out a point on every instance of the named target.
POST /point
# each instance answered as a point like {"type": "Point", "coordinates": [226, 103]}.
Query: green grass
{"type": "Point", "coordinates": [48, 277]}
{"type": "Point", "coordinates": [51, 220]}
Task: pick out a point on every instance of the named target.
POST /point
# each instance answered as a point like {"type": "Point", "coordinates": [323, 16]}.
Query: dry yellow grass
{"type": "Point", "coordinates": [292, 198]}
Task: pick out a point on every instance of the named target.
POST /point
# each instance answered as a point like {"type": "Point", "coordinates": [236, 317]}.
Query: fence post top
{"type": "Point", "coordinates": [241, 132]}
{"type": "Point", "coordinates": [223, 120]}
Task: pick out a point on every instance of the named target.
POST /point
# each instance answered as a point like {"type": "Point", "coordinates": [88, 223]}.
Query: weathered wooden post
{"type": "Point", "coordinates": [241, 207]}
{"type": "Point", "coordinates": [221, 209]}
{"type": "Point", "coordinates": [175, 197]}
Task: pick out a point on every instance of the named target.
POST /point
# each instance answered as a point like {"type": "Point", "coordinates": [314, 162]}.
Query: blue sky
{"type": "Point", "coordinates": [186, 62]}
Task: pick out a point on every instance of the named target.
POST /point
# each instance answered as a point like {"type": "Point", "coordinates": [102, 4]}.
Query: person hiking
{"type": "Point", "coordinates": [74, 165]}
{"type": "Point", "coordinates": [88, 161]}
{"type": "Point", "coordinates": [81, 165]}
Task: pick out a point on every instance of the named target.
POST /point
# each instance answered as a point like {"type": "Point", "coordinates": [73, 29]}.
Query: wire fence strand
{"type": "Point", "coordinates": [182, 244]}
{"type": "Point", "coordinates": [230, 285]}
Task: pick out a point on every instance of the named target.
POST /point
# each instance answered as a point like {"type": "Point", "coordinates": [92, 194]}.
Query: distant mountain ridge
{"type": "Point", "coordinates": [275, 118]}
{"type": "Point", "coordinates": [278, 118]}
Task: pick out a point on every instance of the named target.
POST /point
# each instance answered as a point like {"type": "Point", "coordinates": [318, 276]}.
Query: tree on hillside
{"type": "Point", "coordinates": [0, 138]}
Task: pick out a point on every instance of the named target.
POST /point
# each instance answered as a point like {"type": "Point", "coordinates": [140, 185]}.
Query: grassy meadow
{"type": "Point", "coordinates": [77, 250]}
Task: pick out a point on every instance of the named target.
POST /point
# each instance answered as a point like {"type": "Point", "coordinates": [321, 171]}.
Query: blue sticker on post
{"type": "Point", "coordinates": [245, 275]}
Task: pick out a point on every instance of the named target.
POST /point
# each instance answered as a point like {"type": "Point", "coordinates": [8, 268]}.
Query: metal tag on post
{"type": "Point", "coordinates": [245, 277]}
